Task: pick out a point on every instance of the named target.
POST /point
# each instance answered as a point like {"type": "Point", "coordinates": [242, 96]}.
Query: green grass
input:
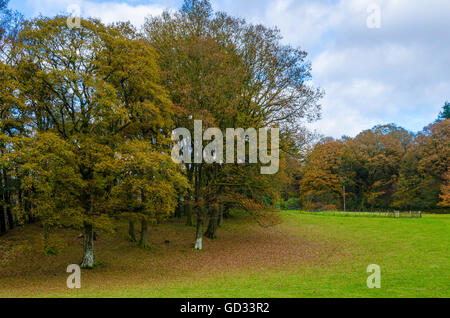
{"type": "Point", "coordinates": [362, 214]}
{"type": "Point", "coordinates": [413, 255]}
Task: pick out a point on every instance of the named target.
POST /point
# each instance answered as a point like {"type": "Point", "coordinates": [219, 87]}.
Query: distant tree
{"type": "Point", "coordinates": [322, 179]}
{"type": "Point", "coordinates": [422, 168]}
{"type": "Point", "coordinates": [434, 154]}
{"type": "Point", "coordinates": [378, 152]}
{"type": "Point", "coordinates": [369, 166]}
{"type": "Point", "coordinates": [408, 189]}
{"type": "Point", "coordinates": [445, 114]}
{"type": "Point", "coordinates": [445, 191]}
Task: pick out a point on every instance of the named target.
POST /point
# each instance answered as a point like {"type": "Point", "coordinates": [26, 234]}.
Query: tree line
{"type": "Point", "coordinates": [386, 167]}
{"type": "Point", "coordinates": [87, 116]}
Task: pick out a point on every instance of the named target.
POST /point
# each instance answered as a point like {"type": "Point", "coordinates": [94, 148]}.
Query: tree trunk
{"type": "Point", "coordinates": [188, 213]}
{"type": "Point", "coordinates": [48, 250]}
{"type": "Point", "coordinates": [220, 221]}
{"type": "Point", "coordinates": [88, 261]}
{"type": "Point", "coordinates": [29, 212]}
{"type": "Point", "coordinates": [178, 211]}
{"type": "Point", "coordinates": [144, 241]}
{"type": "Point", "coordinates": [25, 204]}
{"type": "Point", "coordinates": [2, 220]}
{"type": "Point", "coordinates": [226, 212]}
{"type": "Point", "coordinates": [10, 216]}
{"type": "Point", "coordinates": [211, 232]}
{"type": "Point", "coordinates": [2, 208]}
{"type": "Point", "coordinates": [131, 232]}
{"type": "Point", "coordinates": [199, 234]}
{"type": "Point", "coordinates": [7, 200]}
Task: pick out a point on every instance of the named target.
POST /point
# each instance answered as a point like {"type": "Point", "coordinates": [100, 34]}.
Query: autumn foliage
{"type": "Point", "coordinates": [385, 167]}
{"type": "Point", "coordinates": [87, 115]}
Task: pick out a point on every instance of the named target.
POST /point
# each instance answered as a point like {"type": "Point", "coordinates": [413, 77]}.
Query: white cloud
{"type": "Point", "coordinates": [398, 73]}
{"type": "Point", "coordinates": [112, 12]}
{"type": "Point", "coordinates": [109, 11]}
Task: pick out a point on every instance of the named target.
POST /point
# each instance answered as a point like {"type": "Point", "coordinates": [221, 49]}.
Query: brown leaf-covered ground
{"type": "Point", "coordinates": [242, 246]}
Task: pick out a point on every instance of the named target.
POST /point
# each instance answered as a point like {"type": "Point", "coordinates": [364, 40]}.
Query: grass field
{"type": "Point", "coordinates": [305, 256]}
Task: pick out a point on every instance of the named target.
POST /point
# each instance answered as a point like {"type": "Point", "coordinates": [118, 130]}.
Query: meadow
{"type": "Point", "coordinates": [305, 256]}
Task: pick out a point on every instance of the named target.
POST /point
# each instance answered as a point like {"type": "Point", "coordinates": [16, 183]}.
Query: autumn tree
{"type": "Point", "coordinates": [90, 89]}
{"type": "Point", "coordinates": [384, 167]}
{"type": "Point", "coordinates": [11, 124]}
{"type": "Point", "coordinates": [228, 73]}
{"type": "Point", "coordinates": [377, 153]}
{"type": "Point", "coordinates": [367, 166]}
{"type": "Point", "coordinates": [12, 114]}
{"type": "Point", "coordinates": [322, 178]}
{"type": "Point", "coordinates": [148, 186]}
{"type": "Point", "coordinates": [433, 151]}
{"type": "Point", "coordinates": [445, 191]}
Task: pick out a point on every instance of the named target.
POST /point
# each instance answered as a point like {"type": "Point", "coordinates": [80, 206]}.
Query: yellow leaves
{"type": "Point", "coordinates": [49, 176]}
{"type": "Point", "coordinates": [102, 222]}
{"type": "Point", "coordinates": [92, 80]}
{"type": "Point", "coordinates": [149, 181]}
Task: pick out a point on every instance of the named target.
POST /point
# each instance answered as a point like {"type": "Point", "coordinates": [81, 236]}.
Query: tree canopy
{"type": "Point", "coordinates": [385, 167]}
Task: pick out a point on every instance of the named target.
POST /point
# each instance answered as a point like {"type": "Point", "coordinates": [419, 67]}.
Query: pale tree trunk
{"type": "Point", "coordinates": [131, 232]}
{"type": "Point", "coordinates": [144, 241]}
{"type": "Point", "coordinates": [88, 261]}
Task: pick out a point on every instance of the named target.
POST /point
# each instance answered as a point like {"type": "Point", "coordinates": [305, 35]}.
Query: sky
{"type": "Point", "coordinates": [378, 61]}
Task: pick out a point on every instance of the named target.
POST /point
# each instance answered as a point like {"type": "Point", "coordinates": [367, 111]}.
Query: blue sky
{"type": "Point", "coordinates": [397, 73]}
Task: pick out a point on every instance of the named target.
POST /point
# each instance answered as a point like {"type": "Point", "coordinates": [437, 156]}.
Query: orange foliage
{"type": "Point", "coordinates": [445, 196]}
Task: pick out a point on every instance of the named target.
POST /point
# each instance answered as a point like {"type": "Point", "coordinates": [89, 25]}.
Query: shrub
{"type": "Point", "coordinates": [330, 207]}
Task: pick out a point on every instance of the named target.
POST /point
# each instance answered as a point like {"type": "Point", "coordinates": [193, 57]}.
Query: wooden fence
{"type": "Point", "coordinates": [387, 214]}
